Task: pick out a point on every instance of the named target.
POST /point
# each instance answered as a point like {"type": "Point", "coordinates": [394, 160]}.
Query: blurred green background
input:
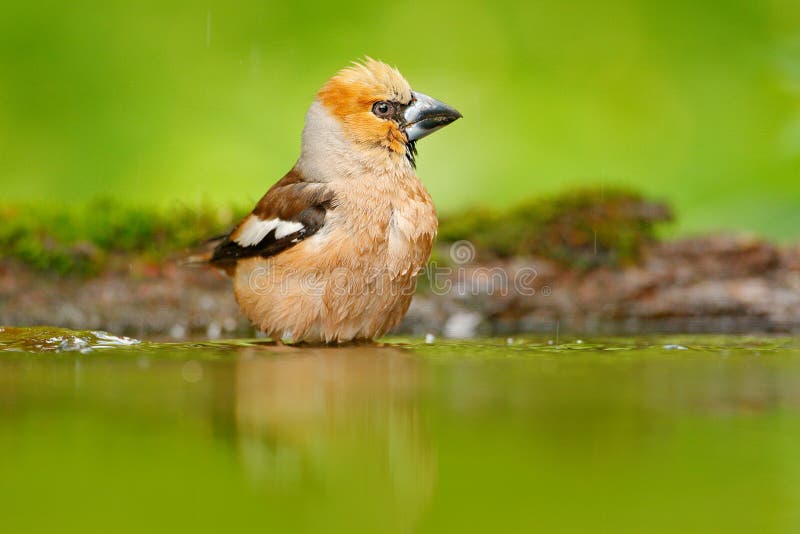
{"type": "Point", "coordinates": [163, 102]}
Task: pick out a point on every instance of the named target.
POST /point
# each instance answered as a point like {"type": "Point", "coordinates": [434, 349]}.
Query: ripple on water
{"type": "Point", "coordinates": [61, 340]}
{"type": "Point", "coordinates": [51, 339]}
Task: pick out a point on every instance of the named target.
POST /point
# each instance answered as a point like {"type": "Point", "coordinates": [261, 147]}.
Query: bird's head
{"type": "Point", "coordinates": [369, 107]}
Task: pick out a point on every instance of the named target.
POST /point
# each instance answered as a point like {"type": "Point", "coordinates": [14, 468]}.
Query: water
{"type": "Point", "coordinates": [678, 434]}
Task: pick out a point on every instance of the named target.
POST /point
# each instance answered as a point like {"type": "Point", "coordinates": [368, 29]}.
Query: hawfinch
{"type": "Point", "coordinates": [332, 251]}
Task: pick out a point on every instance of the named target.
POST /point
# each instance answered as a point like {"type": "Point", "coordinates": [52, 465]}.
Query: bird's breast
{"type": "Point", "coordinates": [387, 229]}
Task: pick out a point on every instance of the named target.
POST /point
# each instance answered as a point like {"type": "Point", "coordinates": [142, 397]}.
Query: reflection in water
{"type": "Point", "coordinates": [444, 437]}
{"type": "Point", "coordinates": [330, 419]}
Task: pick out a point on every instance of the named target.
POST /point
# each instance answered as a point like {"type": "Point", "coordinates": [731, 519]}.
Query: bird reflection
{"type": "Point", "coordinates": [336, 422]}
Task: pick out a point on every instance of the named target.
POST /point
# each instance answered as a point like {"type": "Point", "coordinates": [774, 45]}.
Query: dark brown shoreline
{"type": "Point", "coordinates": [718, 284]}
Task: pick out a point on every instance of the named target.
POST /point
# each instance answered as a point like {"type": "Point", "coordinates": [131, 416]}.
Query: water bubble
{"type": "Point", "coordinates": [192, 371]}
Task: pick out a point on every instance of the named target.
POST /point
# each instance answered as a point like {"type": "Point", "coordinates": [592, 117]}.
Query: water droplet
{"type": "Point", "coordinates": [192, 371]}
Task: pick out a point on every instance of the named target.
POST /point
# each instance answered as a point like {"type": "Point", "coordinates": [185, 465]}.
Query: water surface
{"type": "Point", "coordinates": [679, 434]}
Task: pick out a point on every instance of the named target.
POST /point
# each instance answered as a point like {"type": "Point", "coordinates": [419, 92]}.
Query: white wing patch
{"type": "Point", "coordinates": [254, 230]}
{"type": "Point", "coordinates": [287, 227]}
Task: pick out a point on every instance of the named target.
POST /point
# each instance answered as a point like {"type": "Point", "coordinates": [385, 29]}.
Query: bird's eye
{"type": "Point", "coordinates": [383, 109]}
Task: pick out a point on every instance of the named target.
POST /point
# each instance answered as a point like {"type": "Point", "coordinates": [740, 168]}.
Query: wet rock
{"type": "Point", "coordinates": [711, 284]}
{"type": "Point", "coordinates": [50, 339]}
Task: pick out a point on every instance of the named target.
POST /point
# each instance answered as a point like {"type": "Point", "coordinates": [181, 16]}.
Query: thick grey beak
{"type": "Point", "coordinates": [425, 115]}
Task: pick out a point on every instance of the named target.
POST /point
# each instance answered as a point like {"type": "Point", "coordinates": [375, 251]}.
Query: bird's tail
{"type": "Point", "coordinates": [200, 254]}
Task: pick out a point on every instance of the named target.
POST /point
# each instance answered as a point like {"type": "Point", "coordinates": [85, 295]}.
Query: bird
{"type": "Point", "coordinates": [332, 252]}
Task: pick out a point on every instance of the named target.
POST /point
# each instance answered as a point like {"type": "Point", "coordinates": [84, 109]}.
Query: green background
{"type": "Point", "coordinates": [184, 102]}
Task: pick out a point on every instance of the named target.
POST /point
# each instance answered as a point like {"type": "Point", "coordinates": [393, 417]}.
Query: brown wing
{"type": "Point", "coordinates": [292, 210]}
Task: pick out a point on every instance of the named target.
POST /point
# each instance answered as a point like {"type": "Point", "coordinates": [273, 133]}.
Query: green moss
{"type": "Point", "coordinates": [81, 239]}
{"type": "Point", "coordinates": [583, 228]}
{"type": "Point", "coordinates": [580, 229]}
